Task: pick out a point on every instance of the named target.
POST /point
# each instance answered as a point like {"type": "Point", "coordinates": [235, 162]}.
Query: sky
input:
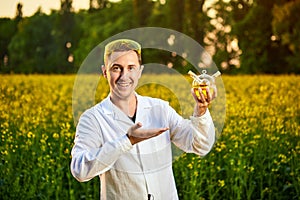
{"type": "Point", "coordinates": [8, 7]}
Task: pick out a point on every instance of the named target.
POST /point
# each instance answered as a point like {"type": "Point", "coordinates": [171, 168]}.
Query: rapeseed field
{"type": "Point", "coordinates": [256, 156]}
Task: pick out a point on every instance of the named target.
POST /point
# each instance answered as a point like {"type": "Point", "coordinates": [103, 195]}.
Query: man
{"type": "Point", "coordinates": [126, 138]}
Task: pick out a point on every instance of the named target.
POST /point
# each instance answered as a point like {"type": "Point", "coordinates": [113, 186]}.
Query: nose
{"type": "Point", "coordinates": [124, 74]}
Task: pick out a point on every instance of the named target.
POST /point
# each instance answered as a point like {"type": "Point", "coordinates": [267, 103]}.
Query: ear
{"type": "Point", "coordinates": [141, 67]}
{"type": "Point", "coordinates": [104, 71]}
{"type": "Point", "coordinates": [141, 70]}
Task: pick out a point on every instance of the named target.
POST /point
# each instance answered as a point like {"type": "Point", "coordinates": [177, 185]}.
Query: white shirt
{"type": "Point", "coordinates": [133, 171]}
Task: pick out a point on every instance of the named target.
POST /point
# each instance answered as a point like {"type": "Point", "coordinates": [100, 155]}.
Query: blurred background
{"type": "Point", "coordinates": [242, 36]}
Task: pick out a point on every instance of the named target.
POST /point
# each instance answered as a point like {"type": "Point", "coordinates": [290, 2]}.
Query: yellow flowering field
{"type": "Point", "coordinates": [256, 157]}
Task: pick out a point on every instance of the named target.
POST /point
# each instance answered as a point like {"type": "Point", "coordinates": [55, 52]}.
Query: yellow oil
{"type": "Point", "coordinates": [203, 88]}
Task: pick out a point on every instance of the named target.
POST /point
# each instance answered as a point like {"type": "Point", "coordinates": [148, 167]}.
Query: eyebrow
{"type": "Point", "coordinates": [119, 65]}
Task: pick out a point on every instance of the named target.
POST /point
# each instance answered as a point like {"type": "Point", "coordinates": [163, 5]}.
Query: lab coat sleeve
{"type": "Point", "coordinates": [194, 135]}
{"type": "Point", "coordinates": [204, 133]}
{"type": "Point", "coordinates": [90, 156]}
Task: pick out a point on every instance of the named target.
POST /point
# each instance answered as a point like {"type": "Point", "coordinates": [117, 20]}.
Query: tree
{"type": "Point", "coordinates": [286, 27]}
{"type": "Point", "coordinates": [31, 47]}
{"type": "Point", "coordinates": [98, 5]}
{"type": "Point", "coordinates": [240, 30]}
{"type": "Point", "coordinates": [175, 14]}
{"type": "Point", "coordinates": [260, 53]}
{"type": "Point", "coordinates": [19, 12]}
{"type": "Point", "coordinates": [251, 25]}
{"type": "Point", "coordinates": [66, 6]}
{"type": "Point", "coordinates": [142, 10]}
{"type": "Point", "coordinates": [64, 34]}
{"type": "Point", "coordinates": [223, 37]}
{"type": "Point", "coordinates": [99, 26]}
{"type": "Point", "coordinates": [8, 28]}
{"type": "Point", "coordinates": [196, 21]}
{"type": "Point", "coordinates": [188, 17]}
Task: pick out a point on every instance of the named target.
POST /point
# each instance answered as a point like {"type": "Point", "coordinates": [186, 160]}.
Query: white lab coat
{"type": "Point", "coordinates": [133, 171]}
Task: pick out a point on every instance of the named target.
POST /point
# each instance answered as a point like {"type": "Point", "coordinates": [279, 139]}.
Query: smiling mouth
{"type": "Point", "coordinates": [124, 85]}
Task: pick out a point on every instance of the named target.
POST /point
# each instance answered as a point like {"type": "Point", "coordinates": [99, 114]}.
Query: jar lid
{"type": "Point", "coordinates": [204, 77]}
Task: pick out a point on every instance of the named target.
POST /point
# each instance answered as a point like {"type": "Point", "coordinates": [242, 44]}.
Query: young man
{"type": "Point", "coordinates": [126, 138]}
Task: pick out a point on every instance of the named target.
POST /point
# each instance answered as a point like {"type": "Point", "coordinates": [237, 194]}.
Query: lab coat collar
{"type": "Point", "coordinates": [109, 108]}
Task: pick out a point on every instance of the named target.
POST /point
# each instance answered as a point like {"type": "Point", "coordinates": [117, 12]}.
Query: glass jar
{"type": "Point", "coordinates": [205, 82]}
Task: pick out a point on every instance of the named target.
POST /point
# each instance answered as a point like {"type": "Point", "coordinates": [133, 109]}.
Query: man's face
{"type": "Point", "coordinates": [122, 71]}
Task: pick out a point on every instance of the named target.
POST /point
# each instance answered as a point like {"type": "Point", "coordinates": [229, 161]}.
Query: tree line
{"type": "Point", "coordinates": [243, 36]}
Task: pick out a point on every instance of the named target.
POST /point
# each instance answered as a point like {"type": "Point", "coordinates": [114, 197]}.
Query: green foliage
{"type": "Point", "coordinates": [286, 26]}
{"type": "Point", "coordinates": [251, 25]}
{"type": "Point", "coordinates": [227, 14]}
{"type": "Point", "coordinates": [175, 14]}
{"type": "Point", "coordinates": [8, 28]}
{"type": "Point", "coordinates": [196, 22]}
{"type": "Point", "coordinates": [142, 11]}
{"type": "Point", "coordinates": [256, 45]}
{"type": "Point", "coordinates": [65, 38]}
{"type": "Point", "coordinates": [98, 26]}
{"type": "Point", "coordinates": [243, 36]}
{"type": "Point", "coordinates": [31, 47]}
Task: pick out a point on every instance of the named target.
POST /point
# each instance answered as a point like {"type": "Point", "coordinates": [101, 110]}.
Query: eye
{"type": "Point", "coordinates": [116, 68]}
{"type": "Point", "coordinates": [132, 68]}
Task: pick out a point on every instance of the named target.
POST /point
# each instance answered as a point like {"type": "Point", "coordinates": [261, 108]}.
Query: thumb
{"type": "Point", "coordinates": [136, 126]}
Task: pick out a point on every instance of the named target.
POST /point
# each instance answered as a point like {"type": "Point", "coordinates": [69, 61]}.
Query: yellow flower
{"type": "Point", "coordinates": [67, 151]}
{"type": "Point", "coordinates": [4, 152]}
{"type": "Point", "coordinates": [221, 183]}
{"type": "Point", "coordinates": [55, 135]}
{"type": "Point", "coordinates": [195, 173]}
{"type": "Point", "coordinates": [30, 135]}
{"type": "Point", "coordinates": [283, 158]}
{"type": "Point", "coordinates": [257, 136]}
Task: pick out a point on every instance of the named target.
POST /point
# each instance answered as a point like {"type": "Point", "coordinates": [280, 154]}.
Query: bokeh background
{"type": "Point", "coordinates": [243, 36]}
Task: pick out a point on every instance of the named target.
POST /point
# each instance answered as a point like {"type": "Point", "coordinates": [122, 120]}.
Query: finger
{"type": "Point", "coordinates": [194, 95]}
{"type": "Point", "coordinates": [202, 97]}
{"type": "Point", "coordinates": [154, 132]}
{"type": "Point", "coordinates": [148, 133]}
{"type": "Point", "coordinates": [215, 94]}
{"type": "Point", "coordinates": [161, 130]}
{"type": "Point", "coordinates": [198, 99]}
{"type": "Point", "coordinates": [137, 126]}
{"type": "Point", "coordinates": [133, 129]}
{"type": "Point", "coordinates": [208, 94]}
